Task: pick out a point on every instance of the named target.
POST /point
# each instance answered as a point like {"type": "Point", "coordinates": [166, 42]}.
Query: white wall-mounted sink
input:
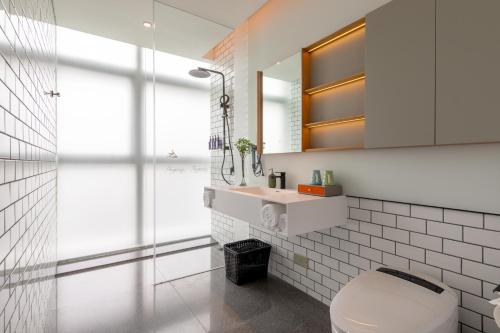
{"type": "Point", "coordinates": [304, 213]}
{"type": "Point", "coordinates": [273, 194]}
{"type": "Point", "coordinates": [256, 190]}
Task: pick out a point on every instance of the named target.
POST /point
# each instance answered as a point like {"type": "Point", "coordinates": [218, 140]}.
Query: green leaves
{"type": "Point", "coordinates": [244, 146]}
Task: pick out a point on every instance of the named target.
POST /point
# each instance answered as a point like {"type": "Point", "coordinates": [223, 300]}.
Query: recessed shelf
{"type": "Point", "coordinates": [347, 60]}
{"type": "Point", "coordinates": [334, 148]}
{"type": "Point", "coordinates": [335, 84]}
{"type": "Point", "coordinates": [338, 121]}
{"type": "Point", "coordinates": [359, 24]}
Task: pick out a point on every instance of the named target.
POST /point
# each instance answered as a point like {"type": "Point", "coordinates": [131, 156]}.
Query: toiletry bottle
{"type": "Point", "coordinates": [217, 142]}
{"type": "Point", "coordinates": [210, 144]}
{"type": "Point", "coordinates": [213, 142]}
{"type": "Point", "coordinates": [272, 179]}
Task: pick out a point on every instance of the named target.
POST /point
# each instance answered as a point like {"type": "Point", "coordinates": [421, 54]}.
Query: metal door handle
{"type": "Point", "coordinates": [52, 93]}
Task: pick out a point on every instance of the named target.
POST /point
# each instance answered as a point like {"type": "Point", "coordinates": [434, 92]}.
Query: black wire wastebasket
{"type": "Point", "coordinates": [246, 260]}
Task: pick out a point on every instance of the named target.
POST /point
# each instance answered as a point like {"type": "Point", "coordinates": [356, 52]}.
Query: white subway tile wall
{"type": "Point", "coordinates": [372, 239]}
{"type": "Point", "coordinates": [27, 166]}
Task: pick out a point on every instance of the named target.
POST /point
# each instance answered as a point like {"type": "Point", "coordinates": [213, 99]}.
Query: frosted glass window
{"type": "Point", "coordinates": [182, 125]}
{"type": "Point", "coordinates": [96, 113]}
{"type": "Point", "coordinates": [76, 46]}
{"type": "Point", "coordinates": [105, 145]}
{"type": "Point", "coordinates": [182, 121]}
{"type": "Point", "coordinates": [100, 179]}
{"type": "Point", "coordinates": [170, 68]}
{"type": "Point", "coordinates": [180, 213]}
{"type": "Point", "coordinates": [97, 208]}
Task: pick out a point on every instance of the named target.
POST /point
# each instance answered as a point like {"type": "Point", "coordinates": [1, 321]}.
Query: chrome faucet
{"type": "Point", "coordinates": [282, 178]}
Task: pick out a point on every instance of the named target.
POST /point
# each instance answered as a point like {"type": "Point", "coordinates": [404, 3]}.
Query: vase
{"type": "Point", "coordinates": [243, 182]}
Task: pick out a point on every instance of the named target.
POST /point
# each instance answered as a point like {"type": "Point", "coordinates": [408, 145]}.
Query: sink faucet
{"type": "Point", "coordinates": [281, 176]}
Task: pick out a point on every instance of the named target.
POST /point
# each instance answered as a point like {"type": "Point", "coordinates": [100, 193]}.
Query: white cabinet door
{"type": "Point", "coordinates": [400, 74]}
{"type": "Point", "coordinates": [468, 71]}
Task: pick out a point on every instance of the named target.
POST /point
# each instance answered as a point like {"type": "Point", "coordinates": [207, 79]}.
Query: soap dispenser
{"type": "Point", "coordinates": [271, 179]}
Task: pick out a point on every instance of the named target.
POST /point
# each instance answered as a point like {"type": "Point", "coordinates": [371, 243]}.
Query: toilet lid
{"type": "Point", "coordinates": [381, 302]}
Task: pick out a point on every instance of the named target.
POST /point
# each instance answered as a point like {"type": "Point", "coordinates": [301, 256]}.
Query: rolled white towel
{"type": "Point", "coordinates": [283, 221]}
{"type": "Point", "coordinates": [496, 314]}
{"type": "Point", "coordinates": [496, 310]}
{"type": "Point", "coordinates": [270, 214]}
{"type": "Point", "coordinates": [207, 198]}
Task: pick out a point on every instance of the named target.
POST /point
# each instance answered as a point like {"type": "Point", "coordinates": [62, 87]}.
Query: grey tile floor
{"type": "Point", "coordinates": [124, 299]}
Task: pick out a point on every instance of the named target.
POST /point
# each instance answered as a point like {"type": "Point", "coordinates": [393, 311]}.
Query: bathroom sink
{"type": "Point", "coordinates": [257, 190]}
{"type": "Point", "coordinates": [282, 196]}
{"type": "Point", "coordinates": [305, 213]}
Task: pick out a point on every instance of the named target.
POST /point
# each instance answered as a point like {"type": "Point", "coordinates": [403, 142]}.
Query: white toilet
{"type": "Point", "coordinates": [394, 301]}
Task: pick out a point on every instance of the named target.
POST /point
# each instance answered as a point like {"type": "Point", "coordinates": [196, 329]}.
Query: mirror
{"type": "Point", "coordinates": [280, 106]}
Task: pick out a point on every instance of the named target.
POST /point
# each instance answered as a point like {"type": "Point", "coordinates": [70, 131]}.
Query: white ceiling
{"type": "Point", "coordinates": [187, 28]}
{"type": "Point", "coordinates": [229, 13]}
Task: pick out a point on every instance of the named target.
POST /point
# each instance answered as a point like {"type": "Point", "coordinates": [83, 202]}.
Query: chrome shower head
{"type": "Point", "coordinates": [200, 73]}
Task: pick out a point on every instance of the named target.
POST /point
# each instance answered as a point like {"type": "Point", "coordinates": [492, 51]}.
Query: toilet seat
{"type": "Point", "coordinates": [394, 301]}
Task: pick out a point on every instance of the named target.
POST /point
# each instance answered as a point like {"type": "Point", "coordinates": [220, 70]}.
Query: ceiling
{"type": "Point", "coordinates": [229, 13]}
{"type": "Point", "coordinates": [187, 28]}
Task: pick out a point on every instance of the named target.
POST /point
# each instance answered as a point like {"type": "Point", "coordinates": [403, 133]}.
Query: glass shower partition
{"type": "Point", "coordinates": [181, 158]}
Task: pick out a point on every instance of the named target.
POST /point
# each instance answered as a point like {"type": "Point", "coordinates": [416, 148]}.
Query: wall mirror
{"type": "Point", "coordinates": [279, 95]}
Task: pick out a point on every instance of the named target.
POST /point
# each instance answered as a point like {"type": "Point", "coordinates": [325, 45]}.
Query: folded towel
{"type": "Point", "coordinates": [270, 215]}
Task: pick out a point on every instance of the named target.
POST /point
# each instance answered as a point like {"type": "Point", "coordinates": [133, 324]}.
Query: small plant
{"type": "Point", "coordinates": [244, 146]}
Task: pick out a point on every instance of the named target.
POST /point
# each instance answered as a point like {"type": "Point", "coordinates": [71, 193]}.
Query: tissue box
{"type": "Point", "coordinates": [320, 190]}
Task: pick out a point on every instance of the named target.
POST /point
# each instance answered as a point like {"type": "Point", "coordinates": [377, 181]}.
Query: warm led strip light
{"type": "Point", "coordinates": [312, 91]}
{"type": "Point", "coordinates": [350, 31]}
{"type": "Point", "coordinates": [335, 122]}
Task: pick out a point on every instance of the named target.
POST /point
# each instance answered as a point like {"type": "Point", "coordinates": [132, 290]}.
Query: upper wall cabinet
{"type": "Point", "coordinates": [468, 68]}
{"type": "Point", "coordinates": [412, 73]}
{"type": "Point", "coordinates": [400, 74]}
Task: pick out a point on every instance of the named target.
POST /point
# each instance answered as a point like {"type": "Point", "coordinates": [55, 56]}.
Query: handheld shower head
{"type": "Point", "coordinates": [199, 73]}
